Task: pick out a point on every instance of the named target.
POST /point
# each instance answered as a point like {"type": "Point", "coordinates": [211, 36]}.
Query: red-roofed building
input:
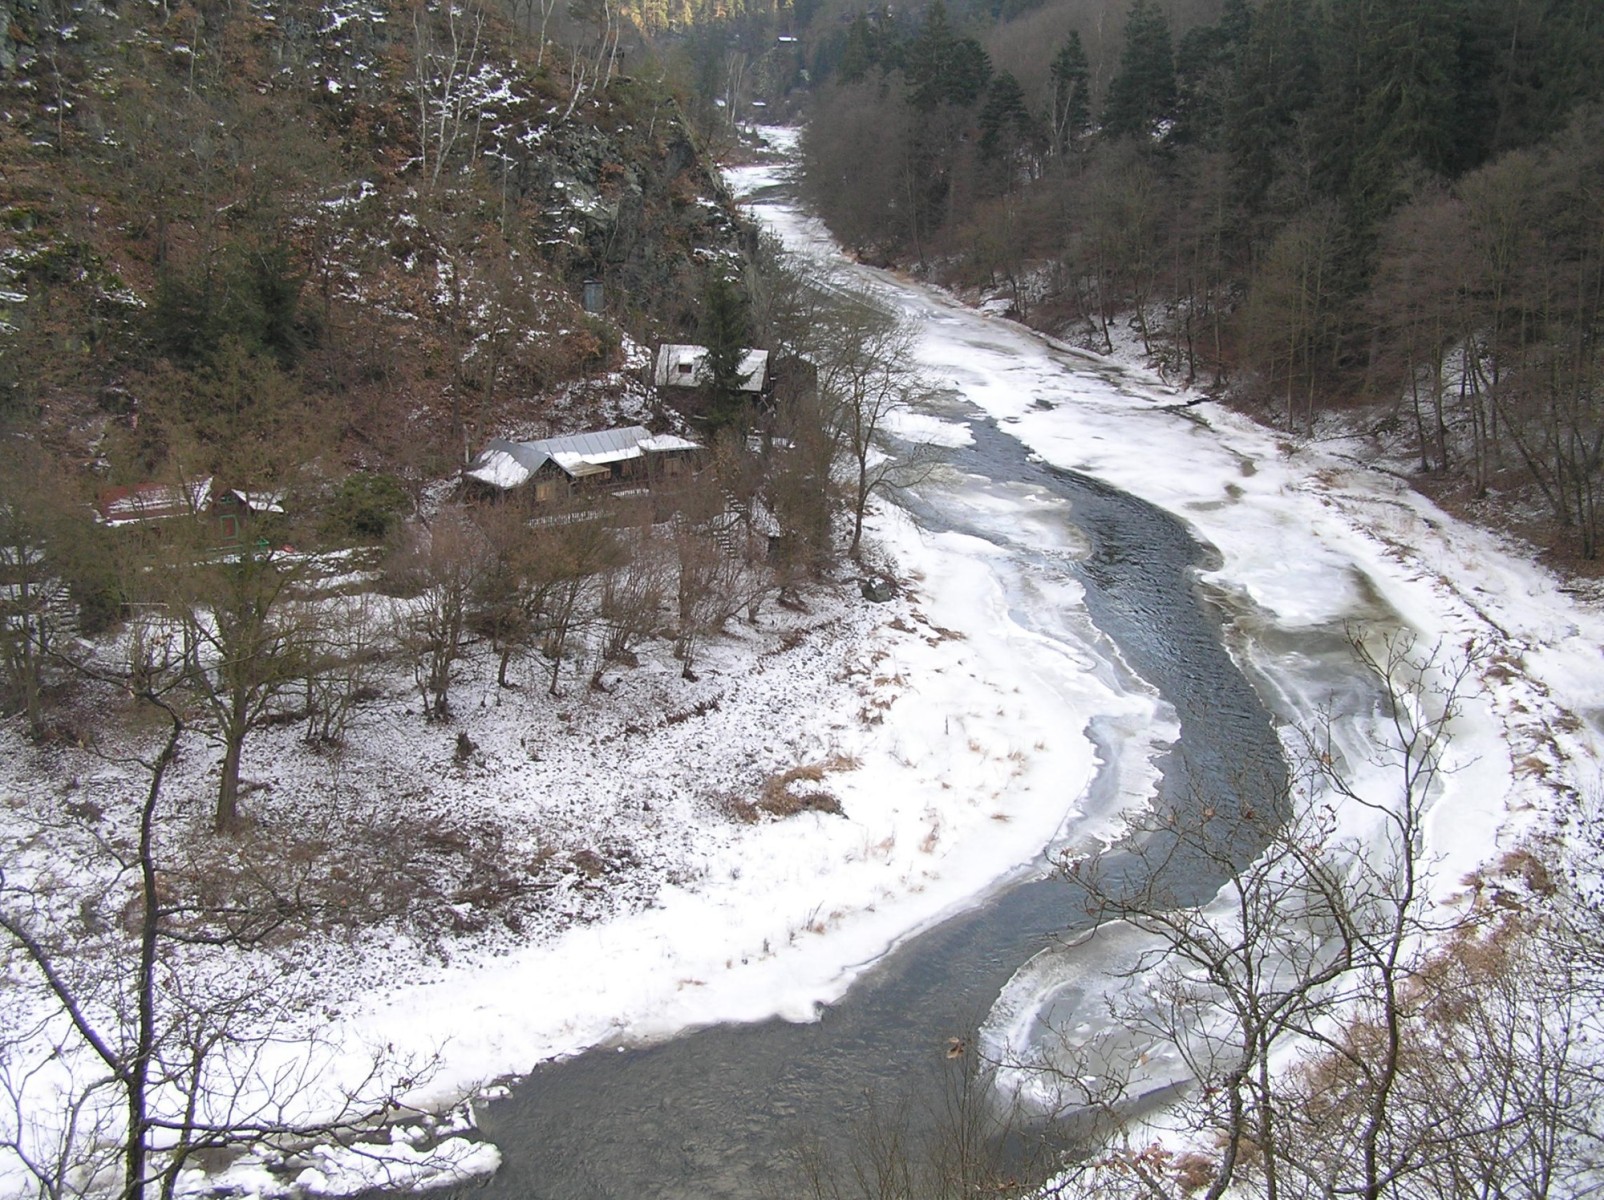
{"type": "Point", "coordinates": [152, 503]}
{"type": "Point", "coordinates": [140, 503]}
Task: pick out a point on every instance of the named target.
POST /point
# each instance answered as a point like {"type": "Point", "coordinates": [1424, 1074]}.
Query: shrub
{"type": "Point", "coordinates": [366, 508]}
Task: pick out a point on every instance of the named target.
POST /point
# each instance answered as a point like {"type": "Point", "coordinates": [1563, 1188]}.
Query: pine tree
{"type": "Point", "coordinates": [1276, 84]}
{"type": "Point", "coordinates": [1386, 108]}
{"type": "Point", "coordinates": [1206, 65]}
{"type": "Point", "coordinates": [858, 56]}
{"type": "Point", "coordinates": [1070, 113]}
{"type": "Point", "coordinates": [929, 60]}
{"type": "Point", "coordinates": [724, 330]}
{"type": "Point", "coordinates": [969, 72]}
{"type": "Point", "coordinates": [943, 68]}
{"type": "Point", "coordinates": [1142, 94]}
{"type": "Point", "coordinates": [1005, 121]}
{"type": "Point", "coordinates": [1545, 64]}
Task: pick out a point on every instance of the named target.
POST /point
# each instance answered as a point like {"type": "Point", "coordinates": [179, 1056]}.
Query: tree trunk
{"type": "Point", "coordinates": [861, 502]}
{"type": "Point", "coordinates": [227, 816]}
{"type": "Point", "coordinates": [136, 1078]}
{"type": "Point", "coordinates": [1420, 418]}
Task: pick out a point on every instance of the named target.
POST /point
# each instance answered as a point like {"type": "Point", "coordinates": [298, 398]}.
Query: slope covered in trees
{"type": "Point", "coordinates": [241, 235]}
{"type": "Point", "coordinates": [1312, 202]}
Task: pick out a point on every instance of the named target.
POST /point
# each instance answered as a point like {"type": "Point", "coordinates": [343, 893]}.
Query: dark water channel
{"type": "Point", "coordinates": [718, 1112]}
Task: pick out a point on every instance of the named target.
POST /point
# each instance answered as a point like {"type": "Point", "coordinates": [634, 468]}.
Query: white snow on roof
{"type": "Point", "coordinates": [506, 465]}
{"type": "Point", "coordinates": [601, 457]}
{"type": "Point", "coordinates": [498, 469]}
{"type": "Point", "coordinates": [578, 466]}
{"type": "Point", "coordinates": [665, 442]}
{"type": "Point", "coordinates": [262, 502]}
{"type": "Point", "coordinates": [754, 370]}
{"type": "Point", "coordinates": [156, 501]}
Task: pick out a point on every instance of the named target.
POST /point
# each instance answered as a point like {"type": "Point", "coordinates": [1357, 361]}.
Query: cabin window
{"type": "Point", "coordinates": [546, 490]}
{"type": "Point", "coordinates": [685, 368]}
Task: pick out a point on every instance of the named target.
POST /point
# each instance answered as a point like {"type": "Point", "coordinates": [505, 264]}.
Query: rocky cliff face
{"type": "Point", "coordinates": [640, 209]}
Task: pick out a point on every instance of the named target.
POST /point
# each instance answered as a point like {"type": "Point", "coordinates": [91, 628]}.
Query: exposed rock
{"type": "Point", "coordinates": [878, 590]}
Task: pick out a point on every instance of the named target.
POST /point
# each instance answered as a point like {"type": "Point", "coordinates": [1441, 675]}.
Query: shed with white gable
{"type": "Point", "coordinates": [683, 366]}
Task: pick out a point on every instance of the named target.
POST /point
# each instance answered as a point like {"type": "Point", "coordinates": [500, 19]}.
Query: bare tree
{"type": "Point", "coordinates": [1415, 295]}
{"type": "Point", "coordinates": [440, 564]}
{"type": "Point", "coordinates": [1495, 1092]}
{"type": "Point", "coordinates": [540, 572]}
{"type": "Point", "coordinates": [1121, 215]}
{"type": "Point", "coordinates": [851, 370]}
{"type": "Point", "coordinates": [505, 609]}
{"type": "Point", "coordinates": [866, 376]}
{"type": "Point", "coordinates": [345, 657]}
{"type": "Point", "coordinates": [955, 1142]}
{"type": "Point", "coordinates": [547, 7]}
{"type": "Point", "coordinates": [797, 488]}
{"type": "Point", "coordinates": [143, 1055]}
{"type": "Point", "coordinates": [1291, 310]}
{"type": "Point", "coordinates": [633, 592]}
{"type": "Point", "coordinates": [445, 61]}
{"type": "Point", "coordinates": [1316, 945]}
{"type": "Point", "coordinates": [792, 305]}
{"type": "Point", "coordinates": [572, 552]}
{"type": "Point", "coordinates": [34, 599]}
{"type": "Point", "coordinates": [721, 572]}
{"type": "Point", "coordinates": [247, 641]}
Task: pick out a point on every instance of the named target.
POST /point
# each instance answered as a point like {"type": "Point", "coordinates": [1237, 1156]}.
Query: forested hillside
{"type": "Point", "coordinates": [240, 237]}
{"type": "Point", "coordinates": [1310, 202]}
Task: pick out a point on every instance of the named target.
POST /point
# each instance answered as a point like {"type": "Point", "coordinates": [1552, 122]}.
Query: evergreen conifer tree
{"type": "Point", "coordinates": [858, 55]}
{"type": "Point", "coordinates": [1005, 121]}
{"type": "Point", "coordinates": [1276, 83]}
{"type": "Point", "coordinates": [1142, 94]}
{"type": "Point", "coordinates": [929, 59]}
{"type": "Point", "coordinates": [943, 68]}
{"type": "Point", "coordinates": [1206, 67]}
{"type": "Point", "coordinates": [724, 330]}
{"type": "Point", "coordinates": [969, 72]}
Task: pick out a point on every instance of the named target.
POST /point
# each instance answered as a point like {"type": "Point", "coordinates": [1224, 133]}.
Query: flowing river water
{"type": "Point", "coordinates": [717, 1112]}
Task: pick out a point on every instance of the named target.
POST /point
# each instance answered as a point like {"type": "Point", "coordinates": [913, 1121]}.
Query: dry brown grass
{"type": "Point", "coordinates": [780, 797]}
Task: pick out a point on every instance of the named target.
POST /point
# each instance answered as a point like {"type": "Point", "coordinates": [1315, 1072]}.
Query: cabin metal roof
{"type": "Point", "coordinates": [505, 465]}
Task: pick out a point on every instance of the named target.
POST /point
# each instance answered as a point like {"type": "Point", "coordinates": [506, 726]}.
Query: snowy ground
{"type": "Point", "coordinates": [658, 909]}
{"type": "Point", "coordinates": [939, 714]}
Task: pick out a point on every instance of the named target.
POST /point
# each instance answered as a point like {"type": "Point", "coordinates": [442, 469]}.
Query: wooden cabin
{"type": "Point", "coordinates": [552, 468]}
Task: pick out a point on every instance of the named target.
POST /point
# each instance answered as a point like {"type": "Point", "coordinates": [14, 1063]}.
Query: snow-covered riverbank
{"type": "Point", "coordinates": [1308, 535]}
{"type": "Point", "coordinates": [1315, 540]}
{"type": "Point", "coordinates": [954, 733]}
{"type": "Point", "coordinates": [941, 733]}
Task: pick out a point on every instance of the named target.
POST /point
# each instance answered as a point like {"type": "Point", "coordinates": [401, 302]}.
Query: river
{"type": "Point", "coordinates": [717, 1112]}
